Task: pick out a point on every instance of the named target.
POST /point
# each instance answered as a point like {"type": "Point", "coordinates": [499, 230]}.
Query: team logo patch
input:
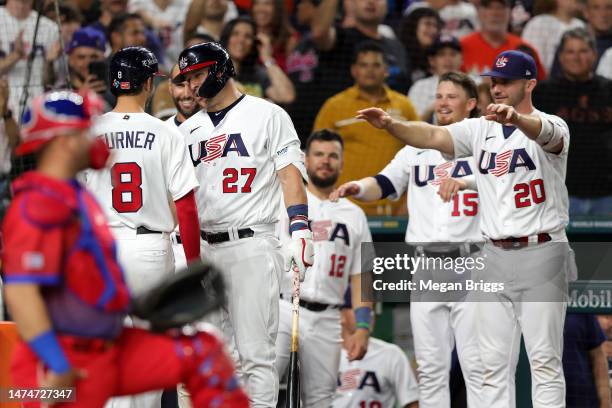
{"type": "Point", "coordinates": [183, 63]}
{"type": "Point", "coordinates": [501, 62]}
{"type": "Point", "coordinates": [33, 260]}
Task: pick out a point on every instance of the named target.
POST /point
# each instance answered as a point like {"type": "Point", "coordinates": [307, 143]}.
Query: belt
{"type": "Point", "coordinates": [86, 344]}
{"type": "Point", "coordinates": [315, 306]}
{"type": "Point", "coordinates": [520, 242]}
{"type": "Point", "coordinates": [455, 253]}
{"type": "Point", "coordinates": [178, 238]}
{"type": "Point", "coordinates": [218, 237]}
{"type": "Point", "coordinates": [144, 230]}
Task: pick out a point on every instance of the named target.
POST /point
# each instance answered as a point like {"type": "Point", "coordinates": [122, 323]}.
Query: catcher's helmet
{"type": "Point", "coordinates": [55, 112]}
{"type": "Point", "coordinates": [211, 55]}
{"type": "Point", "coordinates": [129, 69]}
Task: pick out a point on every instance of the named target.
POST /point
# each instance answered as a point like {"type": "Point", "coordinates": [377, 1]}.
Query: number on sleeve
{"type": "Point", "coordinates": [127, 191]}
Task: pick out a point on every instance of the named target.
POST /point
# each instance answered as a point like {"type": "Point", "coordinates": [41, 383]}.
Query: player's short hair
{"type": "Point", "coordinates": [368, 46]}
{"type": "Point", "coordinates": [201, 37]}
{"type": "Point", "coordinates": [468, 85]}
{"type": "Point", "coordinates": [323, 135]}
{"type": "Point", "coordinates": [578, 33]}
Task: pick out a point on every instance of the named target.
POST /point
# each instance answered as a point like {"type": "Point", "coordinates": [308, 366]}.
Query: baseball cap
{"type": "Point", "coordinates": [444, 41]}
{"type": "Point", "coordinates": [87, 37]}
{"type": "Point", "coordinates": [513, 65]}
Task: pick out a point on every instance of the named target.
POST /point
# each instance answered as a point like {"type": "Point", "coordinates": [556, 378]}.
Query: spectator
{"type": "Point", "coordinates": [198, 38]}
{"type": "Point", "coordinates": [460, 18]}
{"type": "Point", "coordinates": [239, 38]}
{"type": "Point", "coordinates": [584, 363]}
{"type": "Point", "coordinates": [208, 17]}
{"type": "Point", "coordinates": [272, 21]}
{"type": "Point", "coordinates": [9, 138]}
{"type": "Point", "coordinates": [126, 30]}
{"type": "Point", "coordinates": [480, 48]}
{"type": "Point", "coordinates": [605, 321]}
{"type": "Point", "coordinates": [444, 56]}
{"type": "Point", "coordinates": [86, 46]}
{"type": "Point", "coordinates": [584, 101]}
{"type": "Point", "coordinates": [544, 31]}
{"type": "Point", "coordinates": [18, 21]}
{"type": "Point", "coordinates": [166, 18]}
{"type": "Point", "coordinates": [604, 68]}
{"type": "Point", "coordinates": [348, 20]}
{"type": "Point", "coordinates": [599, 18]}
{"type": "Point", "coordinates": [366, 150]}
{"type": "Point", "coordinates": [418, 30]}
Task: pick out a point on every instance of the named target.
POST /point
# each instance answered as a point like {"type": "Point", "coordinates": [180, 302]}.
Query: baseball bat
{"type": "Point", "coordinates": [293, 378]}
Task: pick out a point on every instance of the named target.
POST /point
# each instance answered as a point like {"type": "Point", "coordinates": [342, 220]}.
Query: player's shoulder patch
{"type": "Point", "coordinates": [44, 210]}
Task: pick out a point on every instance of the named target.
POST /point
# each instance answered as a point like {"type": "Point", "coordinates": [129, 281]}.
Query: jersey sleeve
{"type": "Point", "coordinates": [403, 379]}
{"type": "Point", "coordinates": [363, 236]}
{"type": "Point", "coordinates": [180, 172]}
{"type": "Point", "coordinates": [33, 251]}
{"type": "Point", "coordinates": [398, 172]}
{"type": "Point", "coordinates": [464, 134]}
{"type": "Point", "coordinates": [558, 129]}
{"type": "Point", "coordinates": [284, 145]}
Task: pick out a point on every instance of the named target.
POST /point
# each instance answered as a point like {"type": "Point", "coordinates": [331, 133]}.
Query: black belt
{"type": "Point", "coordinates": [519, 242]}
{"type": "Point", "coordinates": [178, 238]}
{"type": "Point", "coordinates": [145, 230]}
{"type": "Point", "coordinates": [315, 306]}
{"type": "Point", "coordinates": [455, 253]}
{"type": "Point", "coordinates": [218, 237]}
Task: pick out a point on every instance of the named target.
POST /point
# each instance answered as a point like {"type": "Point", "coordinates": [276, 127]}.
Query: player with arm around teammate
{"type": "Point", "coordinates": [246, 154]}
{"type": "Point", "coordinates": [442, 229]}
{"type": "Point", "coordinates": [521, 155]}
{"type": "Point", "coordinates": [65, 288]}
{"type": "Point", "coordinates": [383, 378]}
{"type": "Point", "coordinates": [339, 228]}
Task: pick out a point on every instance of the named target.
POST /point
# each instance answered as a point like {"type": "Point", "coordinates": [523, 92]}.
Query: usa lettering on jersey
{"type": "Point", "coordinates": [358, 379]}
{"type": "Point", "coordinates": [325, 230]}
{"type": "Point", "coordinates": [217, 146]}
{"type": "Point", "coordinates": [508, 161]}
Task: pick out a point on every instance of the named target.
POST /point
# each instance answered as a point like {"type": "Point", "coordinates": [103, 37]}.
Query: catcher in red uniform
{"type": "Point", "coordinates": [65, 289]}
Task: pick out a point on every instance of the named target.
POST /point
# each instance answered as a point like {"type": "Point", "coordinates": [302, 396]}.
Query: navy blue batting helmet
{"type": "Point", "coordinates": [213, 56]}
{"type": "Point", "coordinates": [129, 69]}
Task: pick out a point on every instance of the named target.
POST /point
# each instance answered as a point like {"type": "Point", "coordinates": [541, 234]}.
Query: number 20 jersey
{"type": "Point", "coordinates": [236, 162]}
{"type": "Point", "coordinates": [148, 167]}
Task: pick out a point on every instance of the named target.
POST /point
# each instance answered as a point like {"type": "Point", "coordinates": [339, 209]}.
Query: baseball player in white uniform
{"type": "Point", "coordinates": [338, 229]}
{"type": "Point", "coordinates": [383, 378]}
{"type": "Point", "coordinates": [246, 153]}
{"type": "Point", "coordinates": [521, 156]}
{"type": "Point", "coordinates": [148, 168]}
{"type": "Point", "coordinates": [18, 22]}
{"type": "Point", "coordinates": [186, 106]}
{"type": "Point", "coordinates": [441, 220]}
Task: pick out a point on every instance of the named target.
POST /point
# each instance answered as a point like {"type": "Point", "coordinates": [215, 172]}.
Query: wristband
{"type": "Point", "coordinates": [48, 349]}
{"type": "Point", "coordinates": [298, 217]}
{"type": "Point", "coordinates": [363, 317]}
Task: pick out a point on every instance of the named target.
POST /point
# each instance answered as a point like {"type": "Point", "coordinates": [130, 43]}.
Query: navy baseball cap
{"type": "Point", "coordinates": [513, 65]}
{"type": "Point", "coordinates": [442, 42]}
{"type": "Point", "coordinates": [87, 37]}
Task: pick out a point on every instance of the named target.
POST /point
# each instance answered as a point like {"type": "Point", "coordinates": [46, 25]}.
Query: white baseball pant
{"type": "Point", "coordinates": [320, 343]}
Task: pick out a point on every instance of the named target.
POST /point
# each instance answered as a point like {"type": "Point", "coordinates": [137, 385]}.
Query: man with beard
{"type": "Point", "coordinates": [338, 229]}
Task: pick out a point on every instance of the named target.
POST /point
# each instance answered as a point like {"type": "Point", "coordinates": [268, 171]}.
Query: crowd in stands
{"type": "Point", "coordinates": [323, 59]}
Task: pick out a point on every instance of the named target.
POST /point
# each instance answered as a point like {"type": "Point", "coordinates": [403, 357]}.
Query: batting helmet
{"type": "Point", "coordinates": [129, 69]}
{"type": "Point", "coordinates": [55, 112]}
{"type": "Point", "coordinates": [211, 55]}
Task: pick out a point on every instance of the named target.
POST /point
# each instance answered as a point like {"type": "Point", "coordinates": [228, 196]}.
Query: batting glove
{"type": "Point", "coordinates": [299, 251]}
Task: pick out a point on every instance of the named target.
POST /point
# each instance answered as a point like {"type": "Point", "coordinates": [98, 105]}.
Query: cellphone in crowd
{"type": "Point", "coordinates": [99, 69]}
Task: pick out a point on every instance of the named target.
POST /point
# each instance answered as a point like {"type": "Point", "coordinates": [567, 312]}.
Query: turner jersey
{"type": "Point", "coordinates": [380, 380]}
{"type": "Point", "coordinates": [149, 166]}
{"type": "Point", "coordinates": [236, 162]}
{"type": "Point", "coordinates": [338, 229]}
{"type": "Point", "coordinates": [47, 35]}
{"type": "Point", "coordinates": [420, 172]}
{"type": "Point", "coordinates": [521, 186]}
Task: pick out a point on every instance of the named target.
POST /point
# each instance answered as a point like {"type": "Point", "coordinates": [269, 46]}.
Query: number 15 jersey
{"type": "Point", "coordinates": [148, 167]}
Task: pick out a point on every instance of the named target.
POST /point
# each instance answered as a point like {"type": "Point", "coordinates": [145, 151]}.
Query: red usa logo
{"type": "Point", "coordinates": [501, 62]}
{"type": "Point", "coordinates": [441, 172]}
{"type": "Point", "coordinates": [349, 379]}
{"type": "Point", "coordinates": [214, 147]}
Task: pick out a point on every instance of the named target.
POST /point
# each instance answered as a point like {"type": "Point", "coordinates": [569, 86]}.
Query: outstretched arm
{"type": "Point", "coordinates": [366, 190]}
{"type": "Point", "coordinates": [416, 134]}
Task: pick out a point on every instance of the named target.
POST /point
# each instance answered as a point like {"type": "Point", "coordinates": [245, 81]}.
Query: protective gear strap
{"type": "Point", "coordinates": [363, 317]}
{"type": "Point", "coordinates": [48, 349]}
{"type": "Point", "coordinates": [189, 225]}
{"type": "Point", "coordinates": [385, 185]}
{"type": "Point", "coordinates": [298, 217]}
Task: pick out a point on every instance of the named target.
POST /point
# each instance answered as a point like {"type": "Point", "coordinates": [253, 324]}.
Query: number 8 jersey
{"type": "Point", "coordinates": [149, 166]}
